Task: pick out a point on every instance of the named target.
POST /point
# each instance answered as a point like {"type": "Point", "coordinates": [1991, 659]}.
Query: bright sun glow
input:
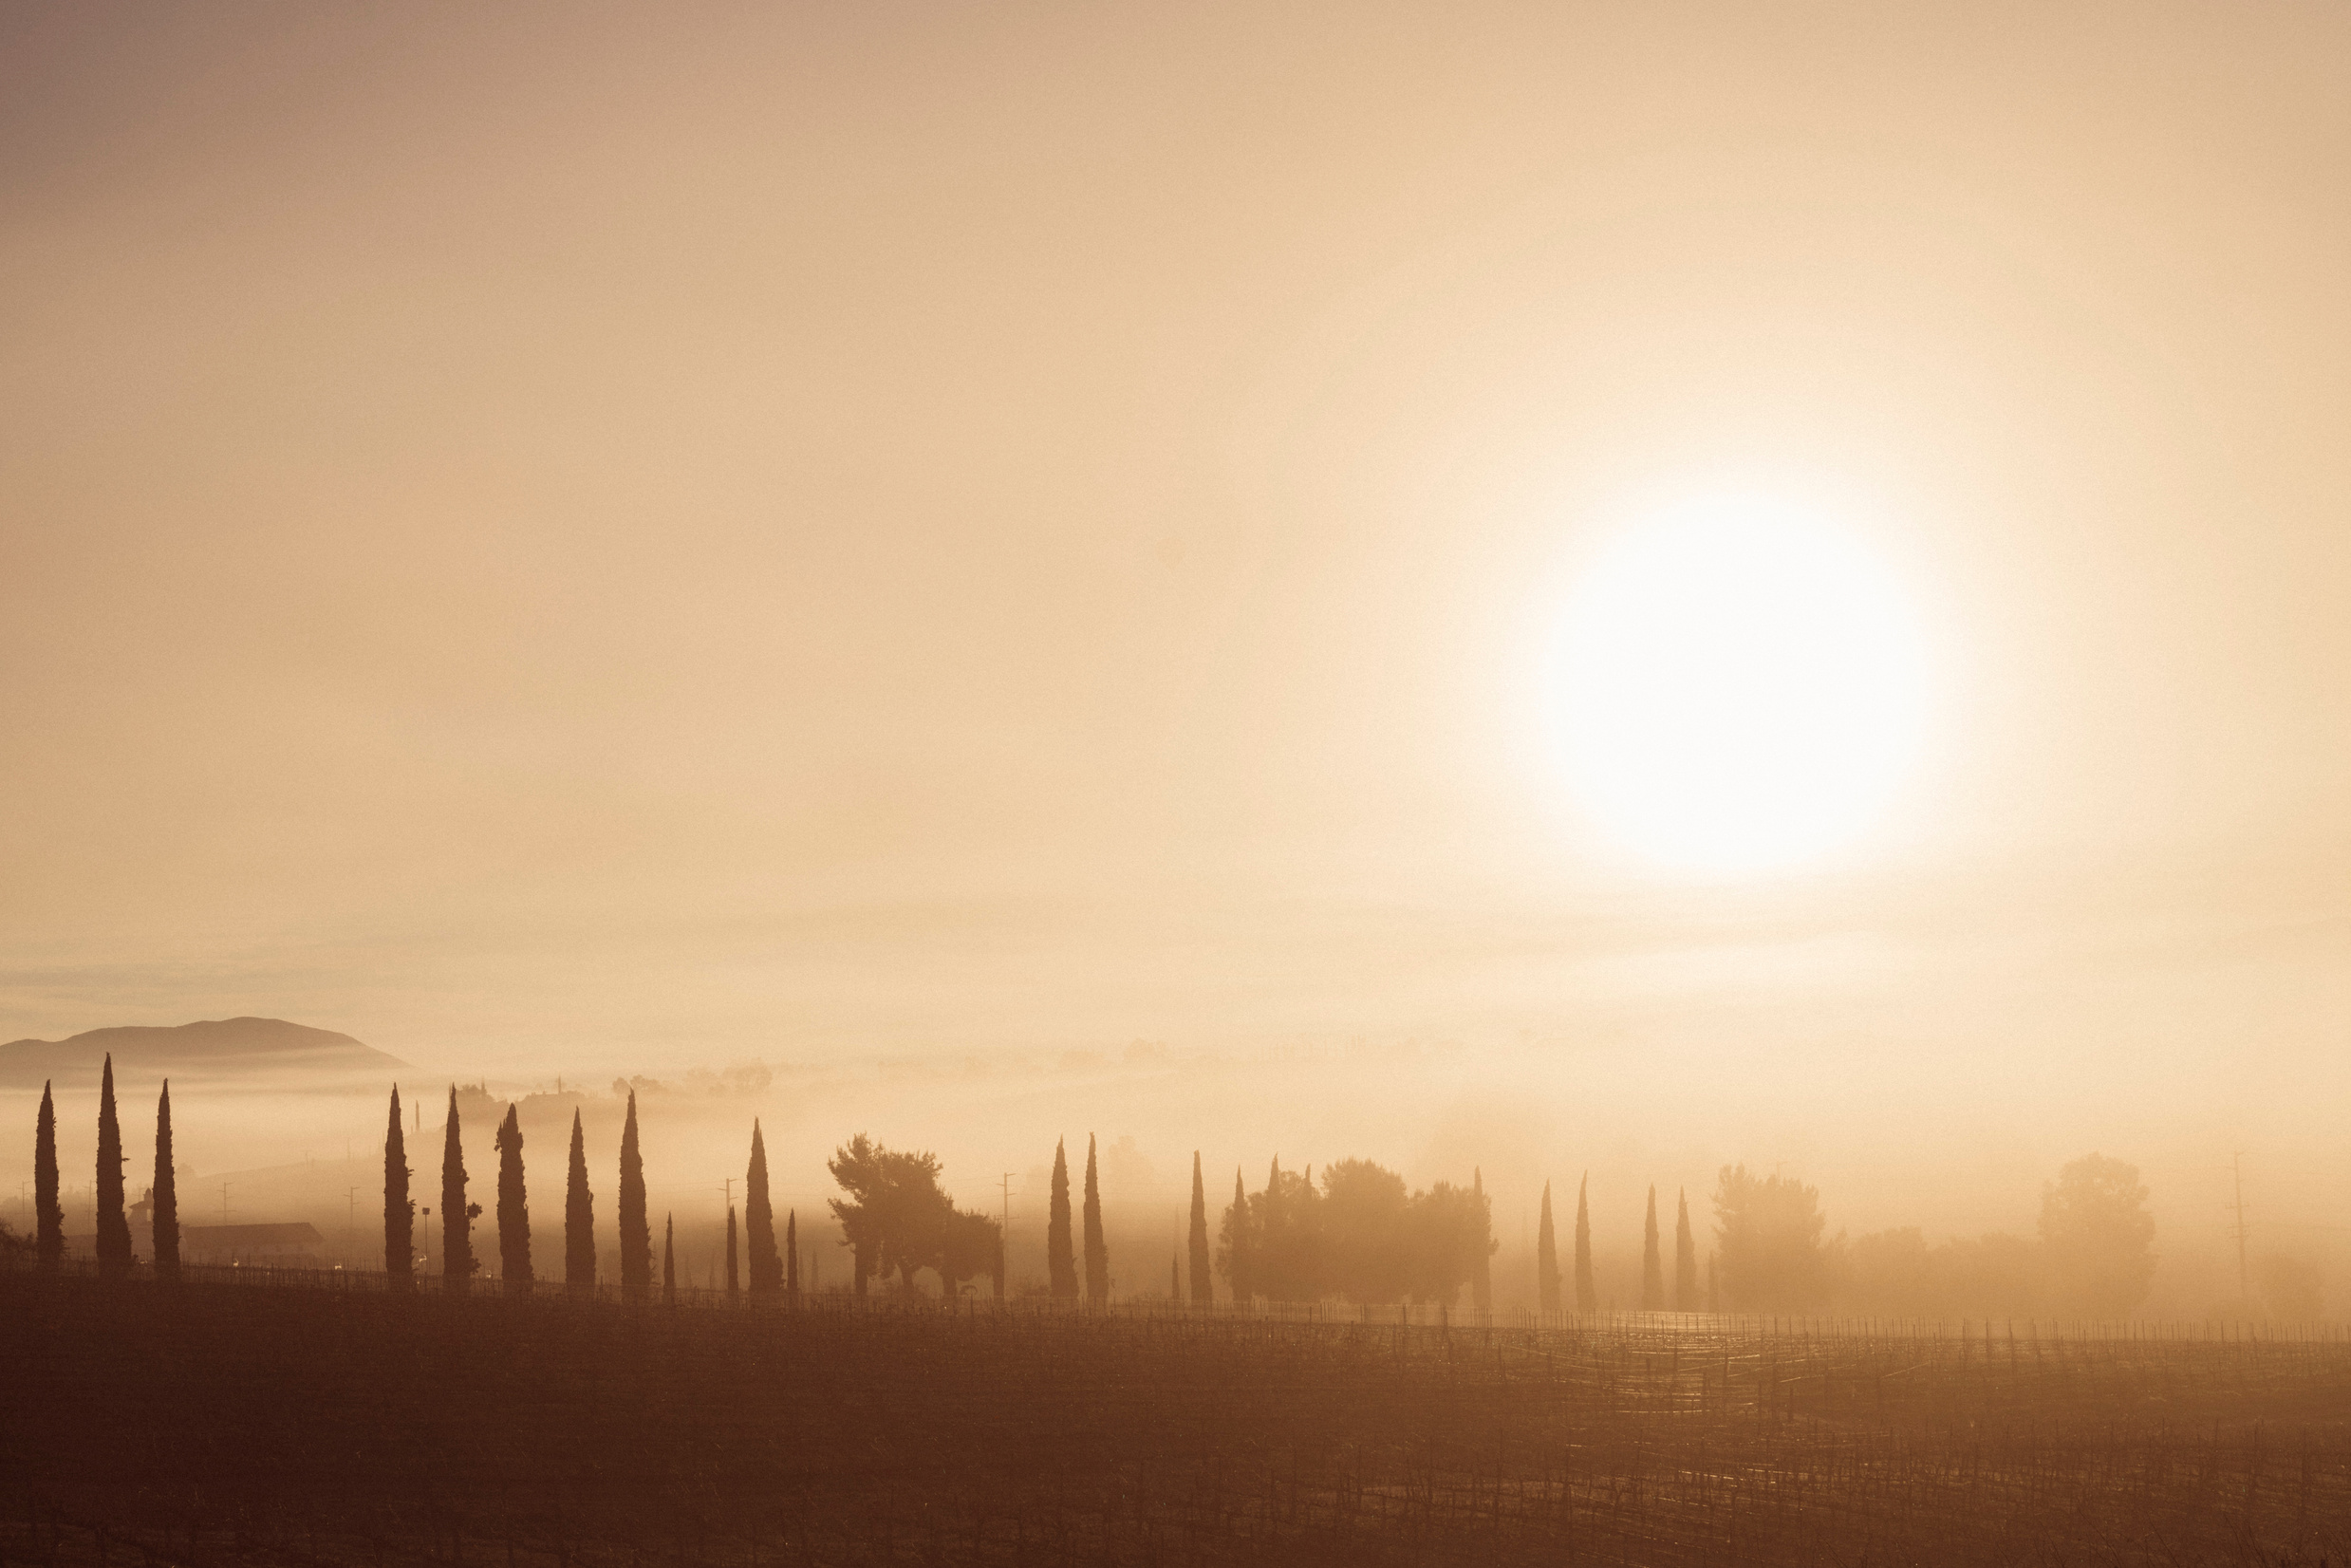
{"type": "Point", "coordinates": [1738, 686]}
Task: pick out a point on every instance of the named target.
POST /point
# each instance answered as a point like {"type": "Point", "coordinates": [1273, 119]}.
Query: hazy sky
{"type": "Point", "coordinates": [660, 536]}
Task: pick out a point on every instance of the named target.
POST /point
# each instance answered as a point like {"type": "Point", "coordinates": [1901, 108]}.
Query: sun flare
{"type": "Point", "coordinates": [1738, 685]}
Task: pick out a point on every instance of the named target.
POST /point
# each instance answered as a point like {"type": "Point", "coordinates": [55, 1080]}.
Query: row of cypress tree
{"type": "Point", "coordinates": [774, 1273]}
{"type": "Point", "coordinates": [1061, 1252]}
{"type": "Point", "coordinates": [113, 1227]}
{"type": "Point", "coordinates": [1687, 1296]}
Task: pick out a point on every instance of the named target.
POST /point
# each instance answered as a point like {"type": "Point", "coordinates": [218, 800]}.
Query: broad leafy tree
{"type": "Point", "coordinates": [893, 1215]}
{"type": "Point", "coordinates": [2100, 1237]}
{"type": "Point", "coordinates": [1767, 1240]}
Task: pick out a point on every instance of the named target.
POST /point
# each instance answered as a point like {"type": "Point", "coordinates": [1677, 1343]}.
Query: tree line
{"type": "Point", "coordinates": [773, 1272]}
{"type": "Point", "coordinates": [115, 1257]}
{"type": "Point", "coordinates": [1357, 1235]}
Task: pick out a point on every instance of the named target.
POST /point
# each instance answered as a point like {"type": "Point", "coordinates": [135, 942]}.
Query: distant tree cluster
{"type": "Point", "coordinates": [1359, 1236]}
{"type": "Point", "coordinates": [2093, 1255]}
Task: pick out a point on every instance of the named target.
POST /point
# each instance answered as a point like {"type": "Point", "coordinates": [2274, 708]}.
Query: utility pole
{"type": "Point", "coordinates": [2237, 1165]}
{"type": "Point", "coordinates": [350, 1222]}
{"type": "Point", "coordinates": [224, 1203]}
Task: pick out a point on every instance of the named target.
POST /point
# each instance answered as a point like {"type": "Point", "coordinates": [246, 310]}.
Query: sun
{"type": "Point", "coordinates": [1738, 685]}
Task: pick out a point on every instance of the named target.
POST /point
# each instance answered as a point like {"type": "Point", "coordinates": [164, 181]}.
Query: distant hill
{"type": "Point", "coordinates": [241, 1048]}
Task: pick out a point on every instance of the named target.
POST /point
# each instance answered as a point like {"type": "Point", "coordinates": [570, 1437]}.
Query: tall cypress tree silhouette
{"type": "Point", "coordinates": [1097, 1250]}
{"type": "Point", "coordinates": [669, 1260]}
{"type": "Point", "coordinates": [166, 1191]}
{"type": "Point", "coordinates": [1175, 1277]}
{"type": "Point", "coordinates": [400, 1210]}
{"type": "Point", "coordinates": [791, 1255]}
{"type": "Point", "coordinates": [767, 1273]}
{"type": "Point", "coordinates": [1684, 1261]}
{"type": "Point", "coordinates": [457, 1215]}
{"type": "Point", "coordinates": [1060, 1256]}
{"type": "Point", "coordinates": [1546, 1260]}
{"type": "Point", "coordinates": [48, 1214]}
{"type": "Point", "coordinates": [734, 1274]}
{"type": "Point", "coordinates": [636, 1228]}
{"type": "Point", "coordinates": [1482, 1278]}
{"type": "Point", "coordinates": [579, 1219]}
{"type": "Point", "coordinates": [113, 1227]}
{"type": "Point", "coordinates": [1204, 1287]}
{"type": "Point", "coordinates": [1587, 1297]}
{"type": "Point", "coordinates": [1241, 1256]}
{"type": "Point", "coordinates": [1652, 1260]}
{"type": "Point", "coordinates": [513, 1208]}
{"type": "Point", "coordinates": [1268, 1248]}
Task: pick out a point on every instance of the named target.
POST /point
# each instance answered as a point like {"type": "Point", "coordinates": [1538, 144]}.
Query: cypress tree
{"type": "Point", "coordinates": [579, 1219]}
{"type": "Point", "coordinates": [457, 1215]}
{"type": "Point", "coordinates": [1546, 1260]}
{"type": "Point", "coordinates": [1243, 1261]}
{"type": "Point", "coordinates": [1481, 1277]}
{"type": "Point", "coordinates": [113, 1227]}
{"type": "Point", "coordinates": [1652, 1261]}
{"type": "Point", "coordinates": [1684, 1261]}
{"type": "Point", "coordinates": [669, 1260]}
{"type": "Point", "coordinates": [1266, 1247]}
{"type": "Point", "coordinates": [767, 1271]}
{"type": "Point", "coordinates": [734, 1279]}
{"type": "Point", "coordinates": [400, 1210]}
{"type": "Point", "coordinates": [996, 1263]}
{"type": "Point", "coordinates": [1203, 1288]}
{"type": "Point", "coordinates": [1175, 1277]}
{"type": "Point", "coordinates": [1097, 1251]}
{"type": "Point", "coordinates": [791, 1255]}
{"type": "Point", "coordinates": [513, 1208]}
{"type": "Point", "coordinates": [166, 1210]}
{"type": "Point", "coordinates": [636, 1229]}
{"type": "Point", "coordinates": [48, 1214]}
{"type": "Point", "coordinates": [1060, 1256]}
{"type": "Point", "coordinates": [1587, 1297]}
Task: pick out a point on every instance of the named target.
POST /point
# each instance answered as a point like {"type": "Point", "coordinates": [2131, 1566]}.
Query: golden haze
{"type": "Point", "coordinates": [615, 540]}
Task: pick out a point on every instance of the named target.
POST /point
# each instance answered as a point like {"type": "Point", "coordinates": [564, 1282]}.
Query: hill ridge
{"type": "Point", "coordinates": [236, 1046]}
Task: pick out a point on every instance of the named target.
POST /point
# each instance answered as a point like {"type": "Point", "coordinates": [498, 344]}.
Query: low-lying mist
{"type": "Point", "coordinates": [1931, 1208]}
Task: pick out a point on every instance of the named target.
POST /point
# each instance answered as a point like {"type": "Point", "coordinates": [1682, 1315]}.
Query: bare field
{"type": "Point", "coordinates": [203, 1424]}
